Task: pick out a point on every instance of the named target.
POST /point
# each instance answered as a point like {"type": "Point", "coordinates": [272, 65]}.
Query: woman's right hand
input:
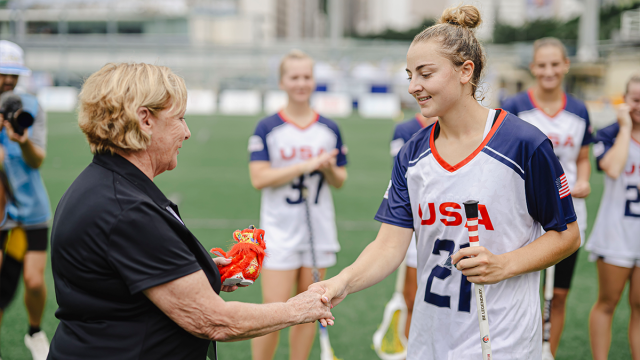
{"type": "Point", "coordinates": [624, 116]}
{"type": "Point", "coordinates": [333, 291]}
{"type": "Point", "coordinates": [320, 161]}
{"type": "Point", "coordinates": [309, 307]}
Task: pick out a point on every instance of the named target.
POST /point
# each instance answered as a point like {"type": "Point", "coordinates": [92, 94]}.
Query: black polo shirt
{"type": "Point", "coordinates": [114, 235]}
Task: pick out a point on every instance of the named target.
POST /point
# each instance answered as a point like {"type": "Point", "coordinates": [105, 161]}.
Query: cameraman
{"type": "Point", "coordinates": [29, 214]}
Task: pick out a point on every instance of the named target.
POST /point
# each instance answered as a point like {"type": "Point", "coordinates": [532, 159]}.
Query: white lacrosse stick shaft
{"type": "Point", "coordinates": [471, 211]}
{"type": "Point", "coordinates": [548, 297]}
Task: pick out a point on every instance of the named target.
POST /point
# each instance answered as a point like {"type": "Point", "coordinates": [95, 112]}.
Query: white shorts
{"type": "Point", "coordinates": [628, 263]}
{"type": "Point", "coordinates": [291, 260]}
{"type": "Point", "coordinates": [412, 253]}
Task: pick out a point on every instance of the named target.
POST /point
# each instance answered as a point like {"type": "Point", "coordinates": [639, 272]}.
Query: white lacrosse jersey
{"type": "Point", "coordinates": [520, 185]}
{"type": "Point", "coordinates": [569, 130]}
{"type": "Point", "coordinates": [615, 232]}
{"type": "Point", "coordinates": [282, 210]}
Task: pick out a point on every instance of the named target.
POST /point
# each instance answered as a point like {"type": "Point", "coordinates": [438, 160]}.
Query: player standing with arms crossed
{"type": "Point", "coordinates": [614, 241]}
{"type": "Point", "coordinates": [500, 160]}
{"type": "Point", "coordinates": [401, 135]}
{"type": "Point", "coordinates": [565, 120]}
{"type": "Point", "coordinates": [294, 152]}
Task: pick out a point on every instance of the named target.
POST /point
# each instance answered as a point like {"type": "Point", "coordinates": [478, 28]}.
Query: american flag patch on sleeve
{"type": "Point", "coordinates": [563, 186]}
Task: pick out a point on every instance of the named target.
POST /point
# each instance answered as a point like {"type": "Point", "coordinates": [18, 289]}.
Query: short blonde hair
{"type": "Point", "coordinates": [293, 55]}
{"type": "Point", "coordinates": [111, 97]}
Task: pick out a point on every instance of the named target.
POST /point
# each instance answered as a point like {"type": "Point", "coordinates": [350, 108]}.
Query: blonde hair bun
{"type": "Point", "coordinates": [467, 16]}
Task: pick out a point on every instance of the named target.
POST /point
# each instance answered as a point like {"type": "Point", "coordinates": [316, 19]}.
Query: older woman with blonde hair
{"type": "Point", "coordinates": [131, 281]}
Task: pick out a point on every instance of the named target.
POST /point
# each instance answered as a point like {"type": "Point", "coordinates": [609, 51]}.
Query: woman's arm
{"type": "Point", "coordinates": [335, 175]}
{"type": "Point", "coordinates": [263, 175]}
{"type": "Point", "coordinates": [582, 188]}
{"type": "Point", "coordinates": [483, 267]}
{"type": "Point", "coordinates": [192, 304]}
{"type": "Point", "coordinates": [614, 161]}
{"type": "Point", "coordinates": [379, 259]}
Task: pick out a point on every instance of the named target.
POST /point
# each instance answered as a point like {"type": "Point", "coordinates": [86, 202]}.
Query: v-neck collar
{"type": "Point", "coordinates": [286, 119]}
{"type": "Point", "coordinates": [535, 104]}
{"type": "Point", "coordinates": [462, 163]}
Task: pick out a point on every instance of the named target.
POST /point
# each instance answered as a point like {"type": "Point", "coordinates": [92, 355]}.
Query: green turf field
{"type": "Point", "coordinates": [212, 184]}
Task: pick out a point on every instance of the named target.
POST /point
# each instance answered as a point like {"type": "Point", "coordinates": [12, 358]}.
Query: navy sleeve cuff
{"type": "Point", "coordinates": [394, 222]}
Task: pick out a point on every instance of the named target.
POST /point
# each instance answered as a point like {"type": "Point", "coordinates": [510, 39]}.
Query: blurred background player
{"type": "Point", "coordinates": [471, 152]}
{"type": "Point", "coordinates": [565, 120]}
{"type": "Point", "coordinates": [614, 242]}
{"type": "Point", "coordinates": [25, 232]}
{"type": "Point", "coordinates": [401, 134]}
{"type": "Point", "coordinates": [295, 153]}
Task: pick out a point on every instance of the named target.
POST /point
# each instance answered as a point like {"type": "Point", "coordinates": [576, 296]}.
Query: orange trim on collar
{"type": "Point", "coordinates": [464, 162]}
{"type": "Point", "coordinates": [287, 120]}
{"type": "Point", "coordinates": [535, 104]}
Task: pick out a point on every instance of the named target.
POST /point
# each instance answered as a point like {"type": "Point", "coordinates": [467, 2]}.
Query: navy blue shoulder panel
{"type": "Point", "coordinates": [514, 143]}
{"type": "Point", "coordinates": [416, 148]}
{"type": "Point", "coordinates": [576, 107]}
{"type": "Point", "coordinates": [608, 133]}
{"type": "Point", "coordinates": [267, 124]}
{"type": "Point", "coordinates": [330, 124]}
{"type": "Point", "coordinates": [407, 129]}
{"type": "Point", "coordinates": [518, 103]}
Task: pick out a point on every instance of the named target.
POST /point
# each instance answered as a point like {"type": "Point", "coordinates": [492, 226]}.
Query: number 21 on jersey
{"type": "Point", "coordinates": [441, 272]}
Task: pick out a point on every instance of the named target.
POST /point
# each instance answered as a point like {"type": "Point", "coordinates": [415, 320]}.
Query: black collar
{"type": "Point", "coordinates": [130, 172]}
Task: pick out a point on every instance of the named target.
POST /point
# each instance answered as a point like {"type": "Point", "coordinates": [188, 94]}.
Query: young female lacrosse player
{"type": "Point", "coordinates": [401, 134]}
{"type": "Point", "coordinates": [296, 155]}
{"type": "Point", "coordinates": [565, 120]}
{"type": "Point", "coordinates": [470, 153]}
{"type": "Point", "coordinates": [614, 241]}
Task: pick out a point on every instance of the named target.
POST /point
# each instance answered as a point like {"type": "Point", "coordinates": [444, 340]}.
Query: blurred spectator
{"type": "Point", "coordinates": [24, 235]}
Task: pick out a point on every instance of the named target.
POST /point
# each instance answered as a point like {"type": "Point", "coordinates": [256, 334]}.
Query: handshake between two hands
{"type": "Point", "coordinates": [312, 305]}
{"type": "Point", "coordinates": [241, 265]}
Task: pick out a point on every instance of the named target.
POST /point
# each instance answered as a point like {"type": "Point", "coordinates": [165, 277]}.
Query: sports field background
{"type": "Point", "coordinates": [211, 184]}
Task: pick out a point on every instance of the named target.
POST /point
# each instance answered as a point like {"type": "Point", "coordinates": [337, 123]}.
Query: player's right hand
{"type": "Point", "coordinates": [309, 307]}
{"type": "Point", "coordinates": [624, 116]}
{"type": "Point", "coordinates": [333, 292]}
{"type": "Point", "coordinates": [320, 161]}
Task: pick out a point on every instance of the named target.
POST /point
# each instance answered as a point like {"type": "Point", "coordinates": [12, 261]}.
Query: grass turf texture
{"type": "Point", "coordinates": [212, 182]}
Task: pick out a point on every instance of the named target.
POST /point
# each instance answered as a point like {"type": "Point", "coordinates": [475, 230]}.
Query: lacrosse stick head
{"type": "Point", "coordinates": [389, 341]}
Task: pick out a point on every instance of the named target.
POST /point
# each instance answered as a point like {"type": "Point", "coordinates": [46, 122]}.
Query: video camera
{"type": "Point", "coordinates": [12, 110]}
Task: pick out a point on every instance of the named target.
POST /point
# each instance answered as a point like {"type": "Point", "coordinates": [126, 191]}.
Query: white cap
{"type": "Point", "coordinates": [12, 59]}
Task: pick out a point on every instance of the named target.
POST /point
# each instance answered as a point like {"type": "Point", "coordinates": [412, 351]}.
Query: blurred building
{"type": "Point", "coordinates": [198, 21]}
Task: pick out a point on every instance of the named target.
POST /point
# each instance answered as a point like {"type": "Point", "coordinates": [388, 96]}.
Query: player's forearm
{"type": "Point", "coordinates": [336, 176]}
{"type": "Point", "coordinates": [614, 161]}
{"type": "Point", "coordinates": [245, 321]}
{"type": "Point", "coordinates": [583, 165]}
{"type": "Point", "coordinates": [378, 260]}
{"type": "Point", "coordinates": [584, 170]}
{"type": "Point", "coordinates": [264, 176]}
{"type": "Point", "coordinates": [32, 154]}
{"type": "Point", "coordinates": [545, 251]}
